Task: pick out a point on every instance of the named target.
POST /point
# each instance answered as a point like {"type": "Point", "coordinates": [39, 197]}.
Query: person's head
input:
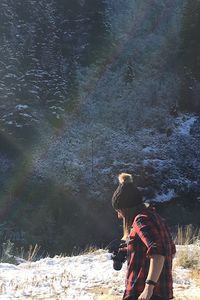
{"type": "Point", "coordinates": [126, 200]}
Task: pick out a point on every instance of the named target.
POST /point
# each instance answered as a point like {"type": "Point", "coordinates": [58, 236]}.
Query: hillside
{"type": "Point", "coordinates": [89, 89]}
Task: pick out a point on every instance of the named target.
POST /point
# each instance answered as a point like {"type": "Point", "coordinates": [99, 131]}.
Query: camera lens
{"type": "Point", "coordinates": [117, 265]}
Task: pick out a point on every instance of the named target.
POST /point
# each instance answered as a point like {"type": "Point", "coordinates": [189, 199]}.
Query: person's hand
{"type": "Point", "coordinates": [147, 292]}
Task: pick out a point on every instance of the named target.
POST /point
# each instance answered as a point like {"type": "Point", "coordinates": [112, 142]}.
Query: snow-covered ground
{"type": "Point", "coordinates": [85, 277]}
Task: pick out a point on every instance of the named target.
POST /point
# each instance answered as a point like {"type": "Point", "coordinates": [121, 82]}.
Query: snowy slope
{"type": "Point", "coordinates": [168, 165]}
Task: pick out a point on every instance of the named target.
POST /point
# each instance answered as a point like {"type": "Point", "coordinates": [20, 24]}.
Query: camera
{"type": "Point", "coordinates": [118, 253]}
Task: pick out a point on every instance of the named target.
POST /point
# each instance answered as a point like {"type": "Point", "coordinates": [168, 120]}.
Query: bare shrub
{"type": "Point", "coordinates": [187, 241]}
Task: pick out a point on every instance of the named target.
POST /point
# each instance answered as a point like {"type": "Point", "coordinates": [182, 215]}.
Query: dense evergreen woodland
{"type": "Point", "coordinates": [90, 88]}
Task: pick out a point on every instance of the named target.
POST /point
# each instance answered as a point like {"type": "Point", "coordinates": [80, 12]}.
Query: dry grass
{"type": "Point", "coordinates": [187, 260]}
{"type": "Point", "coordinates": [33, 252]}
{"type": "Point", "coordinates": [188, 244]}
{"type": "Point", "coordinates": [187, 235]}
{"type": "Point", "coordinates": [90, 249]}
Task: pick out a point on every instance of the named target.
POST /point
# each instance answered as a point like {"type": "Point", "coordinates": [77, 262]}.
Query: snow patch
{"type": "Point", "coordinates": [86, 277]}
{"type": "Point", "coordinates": [165, 196]}
{"type": "Point", "coordinates": [21, 106]}
{"type": "Point", "coordinates": [158, 163]}
{"type": "Point", "coordinates": [148, 150]}
{"type": "Point", "coordinates": [185, 127]}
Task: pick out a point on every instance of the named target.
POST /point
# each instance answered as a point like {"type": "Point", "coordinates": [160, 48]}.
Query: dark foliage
{"type": "Point", "coordinates": [190, 57]}
{"type": "Point", "coordinates": [42, 45]}
{"type": "Point", "coordinates": [54, 218]}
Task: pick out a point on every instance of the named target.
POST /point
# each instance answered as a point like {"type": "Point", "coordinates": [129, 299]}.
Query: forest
{"type": "Point", "coordinates": [90, 88]}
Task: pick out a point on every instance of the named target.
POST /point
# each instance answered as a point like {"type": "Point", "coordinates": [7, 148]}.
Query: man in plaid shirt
{"type": "Point", "coordinates": [150, 248]}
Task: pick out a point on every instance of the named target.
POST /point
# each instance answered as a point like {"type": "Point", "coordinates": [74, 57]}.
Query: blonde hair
{"type": "Point", "coordinates": [128, 221]}
{"type": "Point", "coordinates": [128, 213]}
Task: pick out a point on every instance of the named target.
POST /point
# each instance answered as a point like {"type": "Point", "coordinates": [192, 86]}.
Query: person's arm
{"type": "Point", "coordinates": [156, 252]}
{"type": "Point", "coordinates": [155, 268]}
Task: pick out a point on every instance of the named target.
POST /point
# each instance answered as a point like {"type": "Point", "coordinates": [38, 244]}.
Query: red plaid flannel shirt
{"type": "Point", "coordinates": [149, 235]}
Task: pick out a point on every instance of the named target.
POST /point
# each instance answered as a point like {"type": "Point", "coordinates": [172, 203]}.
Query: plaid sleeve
{"type": "Point", "coordinates": [150, 236]}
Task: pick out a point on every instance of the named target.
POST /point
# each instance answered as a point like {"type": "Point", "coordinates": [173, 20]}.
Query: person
{"type": "Point", "coordinates": [149, 246]}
